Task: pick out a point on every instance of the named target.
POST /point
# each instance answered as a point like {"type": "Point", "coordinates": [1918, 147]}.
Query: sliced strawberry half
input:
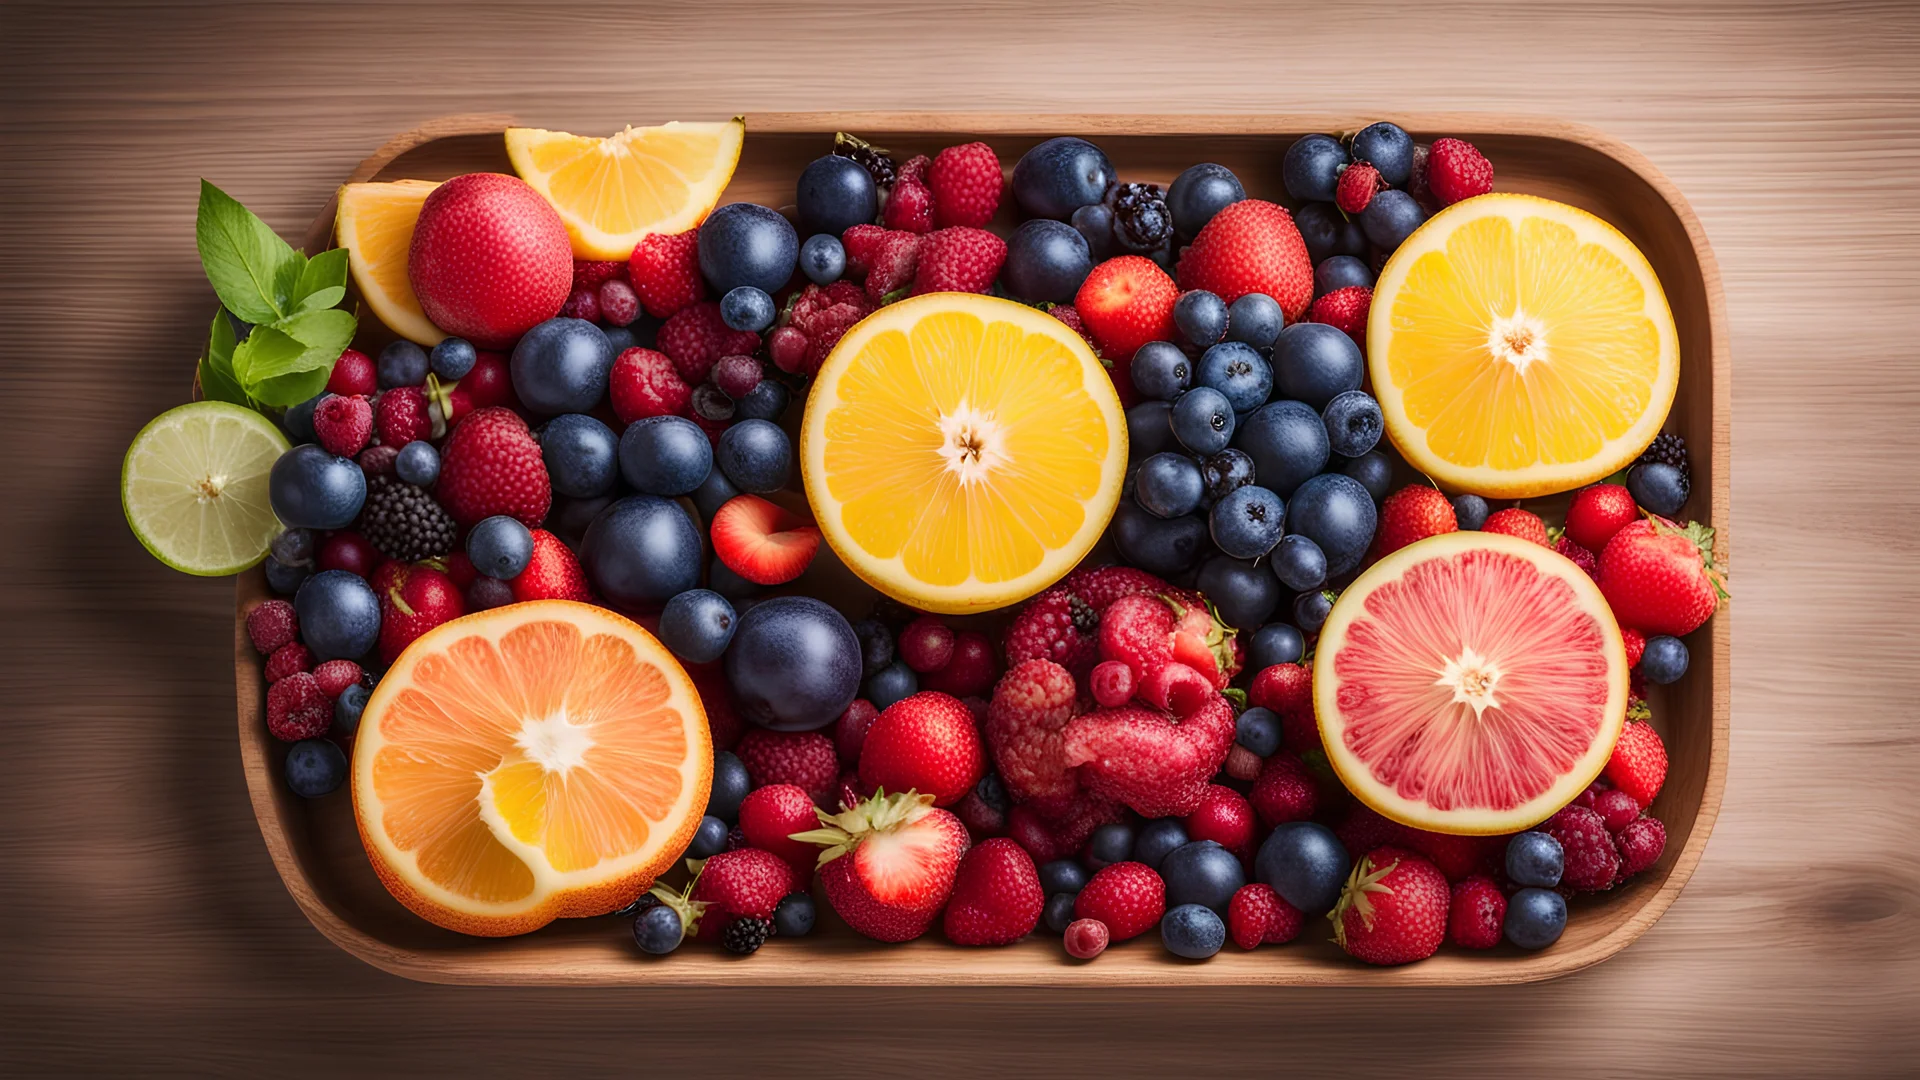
{"type": "Point", "coordinates": [762, 542]}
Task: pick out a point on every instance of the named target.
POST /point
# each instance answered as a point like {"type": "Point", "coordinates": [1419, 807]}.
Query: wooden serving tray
{"type": "Point", "coordinates": [317, 848]}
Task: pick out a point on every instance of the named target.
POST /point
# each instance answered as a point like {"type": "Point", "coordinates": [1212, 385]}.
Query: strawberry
{"type": "Point", "coordinates": [1125, 303]}
{"type": "Point", "coordinates": [1128, 896]}
{"type": "Point", "coordinates": [1251, 246]}
{"type": "Point", "coordinates": [1597, 512]}
{"type": "Point", "coordinates": [892, 264]}
{"type": "Point", "coordinates": [1660, 578]}
{"type": "Point", "coordinates": [696, 338]}
{"type": "Point", "coordinates": [551, 574]}
{"type": "Point", "coordinates": [1100, 586]}
{"type": "Point", "coordinates": [1393, 909]}
{"type": "Point", "coordinates": [996, 896]}
{"type": "Point", "coordinates": [1514, 521]}
{"type": "Point", "coordinates": [1456, 171]}
{"type": "Point", "coordinates": [970, 672]}
{"type": "Point", "coordinates": [862, 245]}
{"type": "Point", "coordinates": [490, 465]}
{"type": "Point", "coordinates": [1158, 764]}
{"type": "Point", "coordinates": [1415, 512]}
{"type": "Point", "coordinates": [1061, 833]}
{"type": "Point", "coordinates": [746, 883]}
{"type": "Point", "coordinates": [910, 203]}
{"type": "Point", "coordinates": [1358, 183]}
{"type": "Point", "coordinates": [1636, 644]}
{"type": "Point", "coordinates": [927, 743]}
{"type": "Point", "coordinates": [1346, 310]}
{"type": "Point", "coordinates": [965, 183]}
{"type": "Point", "coordinates": [763, 542]}
{"type": "Point", "coordinates": [490, 259]}
{"type": "Point", "coordinates": [1284, 791]}
{"type": "Point", "coordinates": [1257, 916]}
{"type": "Point", "coordinates": [414, 598]}
{"type": "Point", "coordinates": [1225, 817]}
{"type": "Point", "coordinates": [1639, 762]}
{"type": "Point", "coordinates": [644, 382]}
{"type": "Point", "coordinates": [665, 271]}
{"type": "Point", "coordinates": [1640, 842]}
{"type": "Point", "coordinates": [343, 424]}
{"type": "Point", "coordinates": [1284, 688]}
{"type": "Point", "coordinates": [1148, 632]}
{"type": "Point", "coordinates": [804, 759]}
{"type": "Point", "coordinates": [769, 816]}
{"type": "Point", "coordinates": [1026, 725]}
{"type": "Point", "coordinates": [1476, 913]}
{"type": "Point", "coordinates": [1591, 862]}
{"type": "Point", "coordinates": [958, 259]}
{"type": "Point", "coordinates": [400, 416]}
{"type": "Point", "coordinates": [850, 731]}
{"type": "Point", "coordinates": [888, 864]}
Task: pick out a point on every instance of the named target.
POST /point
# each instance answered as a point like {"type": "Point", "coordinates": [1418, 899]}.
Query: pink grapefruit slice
{"type": "Point", "coordinates": [1471, 683]}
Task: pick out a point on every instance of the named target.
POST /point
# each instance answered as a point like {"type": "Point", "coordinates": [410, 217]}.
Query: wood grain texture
{"type": "Point", "coordinates": [144, 927]}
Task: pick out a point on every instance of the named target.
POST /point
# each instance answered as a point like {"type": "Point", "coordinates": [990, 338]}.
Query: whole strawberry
{"type": "Point", "coordinates": [965, 183]}
{"type": "Point", "coordinates": [1597, 512]}
{"type": "Point", "coordinates": [1250, 246]}
{"type": "Point", "coordinates": [746, 883]}
{"type": "Point", "coordinates": [1359, 182]}
{"type": "Point", "coordinates": [1128, 896]}
{"type": "Point", "coordinates": [1346, 310]}
{"type": "Point", "coordinates": [1639, 762]}
{"type": "Point", "coordinates": [927, 743]}
{"type": "Point", "coordinates": [1660, 578]}
{"type": "Point", "coordinates": [665, 271]}
{"type": "Point", "coordinates": [1224, 817]}
{"type": "Point", "coordinates": [1257, 916]}
{"type": "Point", "coordinates": [769, 816]}
{"type": "Point", "coordinates": [1026, 725]}
{"type": "Point", "coordinates": [492, 465]}
{"type": "Point", "coordinates": [400, 416]}
{"type": "Point", "coordinates": [1125, 303]}
{"type": "Point", "coordinates": [996, 896]}
{"type": "Point", "coordinates": [958, 259]}
{"type": "Point", "coordinates": [1149, 632]}
{"type": "Point", "coordinates": [1393, 909]}
{"type": "Point", "coordinates": [551, 574]}
{"type": "Point", "coordinates": [1514, 521]}
{"type": "Point", "coordinates": [910, 203]}
{"type": "Point", "coordinates": [888, 864]}
{"type": "Point", "coordinates": [1415, 512]}
{"type": "Point", "coordinates": [413, 600]}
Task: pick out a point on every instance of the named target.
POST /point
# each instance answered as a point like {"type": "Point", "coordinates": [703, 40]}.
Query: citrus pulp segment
{"type": "Point", "coordinates": [614, 192]}
{"type": "Point", "coordinates": [194, 487]}
{"type": "Point", "coordinates": [375, 225]}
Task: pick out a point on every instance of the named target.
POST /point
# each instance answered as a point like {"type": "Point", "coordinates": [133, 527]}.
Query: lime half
{"type": "Point", "coordinates": [194, 487]}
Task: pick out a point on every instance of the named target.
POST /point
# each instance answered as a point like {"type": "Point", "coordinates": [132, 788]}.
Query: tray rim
{"type": "Point", "coordinates": [424, 967]}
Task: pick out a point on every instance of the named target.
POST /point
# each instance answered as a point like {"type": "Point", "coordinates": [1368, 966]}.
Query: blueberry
{"type": "Point", "coordinates": [1248, 522]}
{"type": "Point", "coordinates": [1223, 473]}
{"type": "Point", "coordinates": [500, 547]}
{"type": "Point", "coordinates": [315, 767]}
{"type": "Point", "coordinates": [309, 488]}
{"type": "Point", "coordinates": [452, 359]}
{"type": "Point", "coordinates": [1237, 370]}
{"type": "Point", "coordinates": [747, 244]}
{"type": "Point", "coordinates": [992, 791]}
{"type": "Point", "coordinates": [1390, 218]}
{"type": "Point", "coordinates": [293, 547]}
{"type": "Point", "coordinates": [1334, 511]}
{"type": "Point", "coordinates": [1299, 564]}
{"type": "Point", "coordinates": [1327, 232]}
{"type": "Point", "coordinates": [582, 455]}
{"type": "Point", "coordinates": [1306, 864]}
{"type": "Point", "coordinates": [1110, 844]}
{"type": "Point", "coordinates": [1659, 487]}
{"type": "Point", "coordinates": [1310, 609]}
{"type": "Point", "coordinates": [1314, 362]}
{"type": "Point", "coordinates": [709, 838]}
{"type": "Point", "coordinates": [1168, 485]}
{"type": "Point", "coordinates": [732, 586]}
{"type": "Point", "coordinates": [1258, 729]}
{"type": "Point", "coordinates": [756, 455]}
{"type": "Point", "coordinates": [747, 309]}
{"type": "Point", "coordinates": [1094, 223]}
{"type": "Point", "coordinates": [794, 664]}
{"type": "Point", "coordinates": [1203, 420]}
{"type": "Point", "coordinates": [298, 420]}
{"type": "Point", "coordinates": [834, 194]}
{"type": "Point", "coordinates": [485, 593]}
{"type": "Point", "coordinates": [1275, 643]}
{"type": "Point", "coordinates": [1470, 511]}
{"type": "Point", "coordinates": [570, 517]}
{"type": "Point", "coordinates": [339, 615]}
{"type": "Point", "coordinates": [1535, 859]}
{"type": "Point", "coordinates": [1374, 470]}
{"type": "Point", "coordinates": [1204, 873]}
{"type": "Point", "coordinates": [1243, 590]}
{"type": "Point", "coordinates": [1388, 148]}
{"type": "Point", "coordinates": [1199, 193]}
{"type": "Point", "coordinates": [1163, 546]}
{"type": "Point", "coordinates": [1535, 918]}
{"type": "Point", "coordinates": [823, 259]}
{"type": "Point", "coordinates": [418, 463]}
{"type": "Point", "coordinates": [401, 363]}
{"type": "Point", "coordinates": [794, 916]}
{"type": "Point", "coordinates": [1311, 169]}
{"type": "Point", "coordinates": [1149, 430]}
{"type": "Point", "coordinates": [1202, 317]}
{"type": "Point", "coordinates": [876, 645]}
{"type": "Point", "coordinates": [1065, 876]}
{"type": "Point", "coordinates": [1256, 319]}
{"type": "Point", "coordinates": [348, 707]}
{"type": "Point", "coordinates": [1161, 371]}
{"type": "Point", "coordinates": [1192, 931]}
{"type": "Point", "coordinates": [658, 930]}
{"type": "Point", "coordinates": [283, 578]}
{"type": "Point", "coordinates": [1665, 660]}
{"type": "Point", "coordinates": [1046, 262]}
{"type": "Point", "coordinates": [1354, 423]}
{"type": "Point", "coordinates": [1059, 176]}
{"type": "Point", "coordinates": [1059, 913]}
{"type": "Point", "coordinates": [1338, 272]}
{"type": "Point", "coordinates": [766, 401]}
{"type": "Point", "coordinates": [619, 339]}
{"type": "Point", "coordinates": [697, 625]}
{"type": "Point", "coordinates": [894, 682]}
{"type": "Point", "coordinates": [641, 550]}
{"type": "Point", "coordinates": [1156, 839]}
{"type": "Point", "coordinates": [1287, 441]}
{"type": "Point", "coordinates": [730, 787]}
{"type": "Point", "coordinates": [665, 455]}
{"type": "Point", "coordinates": [561, 366]}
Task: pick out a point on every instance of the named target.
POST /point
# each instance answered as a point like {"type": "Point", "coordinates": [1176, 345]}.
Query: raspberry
{"type": "Point", "coordinates": [696, 338]}
{"type": "Point", "coordinates": [619, 304]}
{"type": "Point", "coordinates": [1284, 791]}
{"type": "Point", "coordinates": [1580, 556]}
{"type": "Point", "coordinates": [959, 259]}
{"type": "Point", "coordinates": [271, 625]}
{"type": "Point", "coordinates": [910, 205]}
{"type": "Point", "coordinates": [665, 271]}
{"type": "Point", "coordinates": [296, 709]}
{"type": "Point", "coordinates": [862, 243]}
{"type": "Point", "coordinates": [1242, 763]}
{"type": "Point", "coordinates": [1358, 183]}
{"type": "Point", "coordinates": [400, 416]}
{"type": "Point", "coordinates": [926, 644]}
{"type": "Point", "coordinates": [965, 182]}
{"type": "Point", "coordinates": [1068, 314]}
{"type": "Point", "coordinates": [1636, 643]}
{"type": "Point", "coordinates": [1592, 793]}
{"type": "Point", "coordinates": [737, 375]}
{"type": "Point", "coordinates": [1086, 938]}
{"type": "Point", "coordinates": [1059, 626]}
{"type": "Point", "coordinates": [1112, 683]}
{"type": "Point", "coordinates": [590, 273]}
{"type": "Point", "coordinates": [1224, 817]}
{"type": "Point", "coordinates": [1345, 310]}
{"type": "Point", "coordinates": [1128, 896]}
{"type": "Point", "coordinates": [1257, 916]}
{"type": "Point", "coordinates": [1592, 862]}
{"type": "Point", "coordinates": [343, 424]}
{"type": "Point", "coordinates": [1616, 808]}
{"type": "Point", "coordinates": [850, 731]}
{"type": "Point", "coordinates": [643, 383]}
{"type": "Point", "coordinates": [335, 676]}
{"type": "Point", "coordinates": [1475, 915]}
{"type": "Point", "coordinates": [1517, 522]}
{"type": "Point", "coordinates": [289, 659]}
{"type": "Point", "coordinates": [353, 373]}
{"type": "Point", "coordinates": [787, 348]}
{"type": "Point", "coordinates": [972, 669]}
{"type": "Point", "coordinates": [1640, 844]}
{"type": "Point", "coordinates": [1456, 171]}
{"type": "Point", "coordinates": [1025, 720]}
{"type": "Point", "coordinates": [894, 260]}
{"type": "Point", "coordinates": [804, 759]}
{"type": "Point", "coordinates": [824, 315]}
{"type": "Point", "coordinates": [582, 303]}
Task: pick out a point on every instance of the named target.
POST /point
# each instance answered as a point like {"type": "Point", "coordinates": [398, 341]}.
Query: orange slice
{"type": "Point", "coordinates": [530, 762]}
{"type": "Point", "coordinates": [375, 225]}
{"type": "Point", "coordinates": [614, 192]}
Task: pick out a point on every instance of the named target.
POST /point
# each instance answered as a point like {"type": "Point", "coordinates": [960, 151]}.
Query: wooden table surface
{"type": "Point", "coordinates": [144, 929]}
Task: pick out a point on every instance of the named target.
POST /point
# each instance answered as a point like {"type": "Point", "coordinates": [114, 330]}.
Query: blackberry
{"type": "Point", "coordinates": [737, 839]}
{"type": "Point", "coordinates": [1141, 221]}
{"type": "Point", "coordinates": [746, 935]}
{"type": "Point", "coordinates": [877, 161]}
{"type": "Point", "coordinates": [403, 522]}
{"type": "Point", "coordinates": [1668, 449]}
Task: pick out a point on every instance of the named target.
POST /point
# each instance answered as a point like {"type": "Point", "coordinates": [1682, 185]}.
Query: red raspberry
{"type": "Point", "coordinates": [894, 261]}
{"type": "Point", "coordinates": [1086, 938]}
{"type": "Point", "coordinates": [696, 338]}
{"type": "Point", "coordinates": [1025, 722]}
{"type": "Point", "coordinates": [289, 659]}
{"type": "Point", "coordinates": [1456, 171]}
{"type": "Point", "coordinates": [645, 383]}
{"type": "Point", "coordinates": [926, 644]}
{"type": "Point", "coordinates": [1128, 896]}
{"type": "Point", "coordinates": [1242, 763]}
{"type": "Point", "coordinates": [910, 205]}
{"type": "Point", "coordinates": [296, 709]}
{"type": "Point", "coordinates": [1641, 844]}
{"type": "Point", "coordinates": [959, 259]}
{"type": "Point", "coordinates": [1591, 861]}
{"type": "Point", "coordinates": [1517, 522]}
{"type": "Point", "coordinates": [1062, 835]}
{"type": "Point", "coordinates": [770, 815]}
{"type": "Point", "coordinates": [272, 624]}
{"type": "Point", "coordinates": [343, 424]}
{"type": "Point", "coordinates": [582, 303]}
{"type": "Point", "coordinates": [1112, 683]}
{"type": "Point", "coordinates": [862, 243]}
{"type": "Point", "coordinates": [665, 271]}
{"type": "Point", "coordinates": [619, 304]}
{"type": "Point", "coordinates": [335, 676]}
{"type": "Point", "coordinates": [1345, 310]}
{"type": "Point", "coordinates": [737, 375]}
{"type": "Point", "coordinates": [850, 731]}
{"type": "Point", "coordinates": [353, 373]}
{"type": "Point", "coordinates": [965, 182]}
{"type": "Point", "coordinates": [1580, 556]}
{"type": "Point", "coordinates": [787, 348]}
{"type": "Point", "coordinates": [1636, 643]}
{"type": "Point", "coordinates": [804, 759]}
{"type": "Point", "coordinates": [1359, 182]}
{"type": "Point", "coordinates": [400, 416]}
{"type": "Point", "coordinates": [1616, 808]}
{"type": "Point", "coordinates": [824, 314]}
{"type": "Point", "coordinates": [1475, 914]}
{"type": "Point", "coordinates": [1592, 793]}
{"type": "Point", "coordinates": [972, 669]}
{"type": "Point", "coordinates": [1257, 916]}
{"type": "Point", "coordinates": [591, 272]}
{"type": "Point", "coordinates": [1225, 817]}
{"type": "Point", "coordinates": [1059, 626]}
{"type": "Point", "coordinates": [348, 551]}
{"type": "Point", "coordinates": [1284, 791]}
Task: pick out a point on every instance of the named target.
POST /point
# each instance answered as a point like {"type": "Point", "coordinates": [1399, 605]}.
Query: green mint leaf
{"type": "Point", "coordinates": [327, 270]}
{"type": "Point", "coordinates": [216, 364]}
{"type": "Point", "coordinates": [321, 299]}
{"type": "Point", "coordinates": [244, 260]}
{"type": "Point", "coordinates": [290, 361]}
{"type": "Point", "coordinates": [264, 354]}
{"type": "Point", "coordinates": [286, 278]}
{"type": "Point", "coordinates": [292, 388]}
{"type": "Point", "coordinates": [326, 332]}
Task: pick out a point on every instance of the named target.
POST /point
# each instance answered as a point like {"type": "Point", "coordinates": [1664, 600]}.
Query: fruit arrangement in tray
{"type": "Point", "coordinates": [1184, 563]}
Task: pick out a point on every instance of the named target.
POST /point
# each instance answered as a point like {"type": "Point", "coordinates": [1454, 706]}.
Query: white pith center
{"type": "Point", "coordinates": [1472, 678]}
{"type": "Point", "coordinates": [556, 743]}
{"type": "Point", "coordinates": [972, 443]}
{"type": "Point", "coordinates": [209, 487]}
{"type": "Point", "coordinates": [1519, 339]}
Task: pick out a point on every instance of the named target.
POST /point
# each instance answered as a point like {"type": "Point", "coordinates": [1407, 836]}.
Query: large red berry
{"type": "Point", "coordinates": [1257, 916]}
{"type": "Point", "coordinates": [489, 383]}
{"type": "Point", "coordinates": [1597, 512]}
{"type": "Point", "coordinates": [1250, 246]}
{"type": "Point", "coordinates": [1415, 512]}
{"type": "Point", "coordinates": [1639, 762]}
{"type": "Point", "coordinates": [695, 338]}
{"type": "Point", "coordinates": [1635, 642]}
{"type": "Point", "coordinates": [1345, 309]}
{"type": "Point", "coordinates": [1590, 860]}
{"type": "Point", "coordinates": [1125, 303]}
{"type": "Point", "coordinates": [1476, 913]}
{"type": "Point", "coordinates": [400, 416]}
{"type": "Point", "coordinates": [927, 743]}
{"type": "Point", "coordinates": [296, 709]}
{"type": "Point", "coordinates": [1393, 909]}
{"type": "Point", "coordinates": [971, 670]}
{"type": "Point", "coordinates": [1456, 171]}
{"type": "Point", "coordinates": [492, 465]}
{"type": "Point", "coordinates": [1026, 723]}
{"type": "Point", "coordinates": [762, 541]}
{"type": "Point", "coordinates": [1660, 578]}
{"type": "Point", "coordinates": [744, 883]}
{"type": "Point", "coordinates": [665, 271]}
{"type": "Point", "coordinates": [965, 182]}
{"type": "Point", "coordinates": [890, 864]}
{"type": "Point", "coordinates": [353, 373]}
{"type": "Point", "coordinates": [1225, 817]}
{"type": "Point", "coordinates": [1358, 184]}
{"type": "Point", "coordinates": [804, 759]}
{"type": "Point", "coordinates": [821, 316]}
{"type": "Point", "coordinates": [959, 259]}
{"type": "Point", "coordinates": [1127, 896]}
{"type": "Point", "coordinates": [1284, 791]}
{"type": "Point", "coordinates": [413, 600]}
{"type": "Point", "coordinates": [770, 815]}
{"type": "Point", "coordinates": [910, 202]}
{"type": "Point", "coordinates": [552, 574]}
{"type": "Point", "coordinates": [1641, 843]}
{"type": "Point", "coordinates": [1514, 521]}
{"type": "Point", "coordinates": [894, 260]}
{"type": "Point", "coordinates": [996, 896]}
{"type": "Point", "coordinates": [645, 382]}
{"type": "Point", "coordinates": [1149, 632]}
{"type": "Point", "coordinates": [289, 659]}
{"type": "Point", "coordinates": [1616, 808]}
{"type": "Point", "coordinates": [272, 624]}
{"type": "Point", "coordinates": [490, 258]}
{"type": "Point", "coordinates": [1155, 763]}
{"type": "Point", "coordinates": [343, 424]}
{"type": "Point", "coordinates": [1058, 626]}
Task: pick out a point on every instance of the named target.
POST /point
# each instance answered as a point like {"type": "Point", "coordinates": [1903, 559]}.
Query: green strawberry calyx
{"type": "Point", "coordinates": [1219, 639]}
{"type": "Point", "coordinates": [1365, 879]}
{"type": "Point", "coordinates": [1701, 537]}
{"type": "Point", "coordinates": [842, 832]}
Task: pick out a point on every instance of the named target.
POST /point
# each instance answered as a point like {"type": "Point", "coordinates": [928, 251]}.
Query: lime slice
{"type": "Point", "coordinates": [194, 487]}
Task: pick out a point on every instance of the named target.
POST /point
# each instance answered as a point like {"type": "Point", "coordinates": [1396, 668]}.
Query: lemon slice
{"type": "Point", "coordinates": [375, 225]}
{"type": "Point", "coordinates": [614, 192]}
{"type": "Point", "coordinates": [1520, 347]}
{"type": "Point", "coordinates": [194, 487]}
